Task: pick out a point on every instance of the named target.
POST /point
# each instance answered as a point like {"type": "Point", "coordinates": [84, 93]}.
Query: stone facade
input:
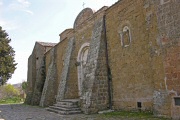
{"type": "Point", "coordinates": [65, 71]}
{"type": "Point", "coordinates": [123, 57]}
{"type": "Point", "coordinates": [168, 17]}
{"type": "Point", "coordinates": [36, 72]}
{"type": "Point", "coordinates": [49, 85]}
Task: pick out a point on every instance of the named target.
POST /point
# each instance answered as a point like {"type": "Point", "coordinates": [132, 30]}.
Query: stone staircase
{"type": "Point", "coordinates": [66, 107]}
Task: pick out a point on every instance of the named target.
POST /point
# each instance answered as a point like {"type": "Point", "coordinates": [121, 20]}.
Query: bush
{"type": "Point", "coordinates": [10, 100]}
{"type": "Point", "coordinates": [8, 91]}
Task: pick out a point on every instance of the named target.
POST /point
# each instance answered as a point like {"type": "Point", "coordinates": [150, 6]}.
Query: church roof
{"type": "Point", "coordinates": [47, 44]}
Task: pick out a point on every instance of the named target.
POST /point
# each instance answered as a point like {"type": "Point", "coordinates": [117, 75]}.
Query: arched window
{"type": "Point", "coordinates": [125, 35]}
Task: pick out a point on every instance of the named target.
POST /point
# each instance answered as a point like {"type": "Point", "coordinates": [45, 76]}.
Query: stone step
{"type": "Point", "coordinates": [64, 112]}
{"type": "Point", "coordinates": [65, 108]}
{"type": "Point", "coordinates": [52, 110]}
{"type": "Point", "coordinates": [68, 102]}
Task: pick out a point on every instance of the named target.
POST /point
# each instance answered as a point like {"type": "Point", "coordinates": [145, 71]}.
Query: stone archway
{"type": "Point", "coordinates": [82, 60]}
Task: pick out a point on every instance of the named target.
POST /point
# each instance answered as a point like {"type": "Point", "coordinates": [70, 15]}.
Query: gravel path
{"type": "Point", "coordinates": [26, 112]}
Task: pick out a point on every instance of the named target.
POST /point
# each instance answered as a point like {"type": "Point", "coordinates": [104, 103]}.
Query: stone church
{"type": "Point", "coordinates": [122, 57]}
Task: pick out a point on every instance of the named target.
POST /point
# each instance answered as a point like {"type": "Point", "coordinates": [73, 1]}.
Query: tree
{"type": "Point", "coordinates": [11, 91]}
{"type": "Point", "coordinates": [7, 62]}
{"type": "Point", "coordinates": [24, 86]}
{"type": "Point", "coordinates": [8, 91]}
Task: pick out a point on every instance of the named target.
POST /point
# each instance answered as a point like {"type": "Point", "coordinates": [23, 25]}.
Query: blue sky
{"type": "Point", "coordinates": [27, 21]}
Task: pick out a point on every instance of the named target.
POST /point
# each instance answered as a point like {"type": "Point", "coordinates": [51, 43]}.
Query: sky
{"type": "Point", "coordinates": [28, 21]}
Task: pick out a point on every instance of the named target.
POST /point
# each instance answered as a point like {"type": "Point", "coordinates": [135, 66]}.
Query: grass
{"type": "Point", "coordinates": [12, 100]}
{"type": "Point", "coordinates": [132, 114]}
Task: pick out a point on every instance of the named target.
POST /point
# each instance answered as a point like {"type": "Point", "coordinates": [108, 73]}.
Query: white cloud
{"type": "Point", "coordinates": [15, 6]}
{"type": "Point", "coordinates": [21, 5]}
{"type": "Point", "coordinates": [8, 25]}
{"type": "Point", "coordinates": [28, 11]}
{"type": "Point", "coordinates": [25, 3]}
{"type": "Point", "coordinates": [2, 22]}
{"type": "Point", "coordinates": [1, 3]}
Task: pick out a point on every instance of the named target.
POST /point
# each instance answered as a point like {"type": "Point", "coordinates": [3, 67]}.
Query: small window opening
{"type": "Point", "coordinates": [126, 39]}
{"type": "Point", "coordinates": [177, 101]}
{"type": "Point", "coordinates": [139, 105]}
{"type": "Point", "coordinates": [125, 36]}
{"type": "Point", "coordinates": [37, 58]}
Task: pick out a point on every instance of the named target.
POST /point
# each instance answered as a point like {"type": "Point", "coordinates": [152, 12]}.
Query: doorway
{"type": "Point", "coordinates": [82, 60]}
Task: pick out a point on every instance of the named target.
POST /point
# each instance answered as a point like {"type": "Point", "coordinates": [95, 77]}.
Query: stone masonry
{"type": "Point", "coordinates": [95, 91]}
{"type": "Point", "coordinates": [48, 91]}
{"type": "Point", "coordinates": [36, 72]}
{"type": "Point", "coordinates": [64, 75]}
{"type": "Point", "coordinates": [168, 17]}
{"type": "Point", "coordinates": [122, 57]}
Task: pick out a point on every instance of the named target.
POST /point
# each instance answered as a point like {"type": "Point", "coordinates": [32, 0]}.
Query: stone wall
{"type": "Point", "coordinates": [54, 58]}
{"type": "Point", "coordinates": [60, 60]}
{"type": "Point", "coordinates": [95, 86]}
{"type": "Point", "coordinates": [145, 70]}
{"type": "Point", "coordinates": [29, 81]}
{"type": "Point", "coordinates": [129, 42]}
{"type": "Point", "coordinates": [142, 54]}
{"type": "Point", "coordinates": [31, 75]}
{"type": "Point", "coordinates": [82, 17]}
{"type": "Point", "coordinates": [66, 34]}
{"type": "Point", "coordinates": [71, 90]}
{"type": "Point", "coordinates": [82, 35]}
{"type": "Point", "coordinates": [48, 93]}
{"type": "Point", "coordinates": [65, 71]}
{"type": "Point", "coordinates": [40, 76]}
{"type": "Point", "coordinates": [169, 31]}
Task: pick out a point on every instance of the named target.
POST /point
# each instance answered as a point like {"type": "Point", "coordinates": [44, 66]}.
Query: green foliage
{"type": "Point", "coordinates": [132, 114]}
{"type": "Point", "coordinates": [129, 113]}
{"type": "Point", "coordinates": [7, 62]}
{"type": "Point", "coordinates": [24, 86]}
{"type": "Point", "coordinates": [11, 91]}
{"type": "Point", "coordinates": [8, 91]}
{"type": "Point", "coordinates": [10, 100]}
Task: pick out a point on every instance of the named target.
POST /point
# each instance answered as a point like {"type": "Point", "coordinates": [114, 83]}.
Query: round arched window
{"type": "Point", "coordinates": [125, 36]}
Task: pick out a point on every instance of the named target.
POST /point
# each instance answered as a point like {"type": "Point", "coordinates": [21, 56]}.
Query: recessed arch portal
{"type": "Point", "coordinates": [82, 60]}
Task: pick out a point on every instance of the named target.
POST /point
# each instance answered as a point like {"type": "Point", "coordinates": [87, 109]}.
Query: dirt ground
{"type": "Point", "coordinates": [26, 112]}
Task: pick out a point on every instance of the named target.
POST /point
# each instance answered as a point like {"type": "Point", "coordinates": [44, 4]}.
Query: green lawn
{"type": "Point", "coordinates": [11, 100]}
{"type": "Point", "coordinates": [130, 115]}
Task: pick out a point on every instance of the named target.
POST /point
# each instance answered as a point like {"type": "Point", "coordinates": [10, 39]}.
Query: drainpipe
{"type": "Point", "coordinates": [107, 64]}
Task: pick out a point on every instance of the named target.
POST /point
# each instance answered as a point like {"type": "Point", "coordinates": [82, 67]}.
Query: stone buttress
{"type": "Point", "coordinates": [95, 86]}
{"type": "Point", "coordinates": [65, 71]}
{"type": "Point", "coordinates": [48, 93]}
